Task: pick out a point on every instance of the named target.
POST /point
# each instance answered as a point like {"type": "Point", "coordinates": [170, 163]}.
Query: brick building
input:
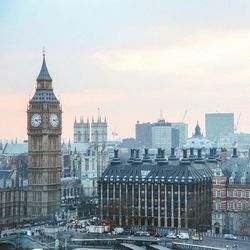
{"type": "Point", "coordinates": [231, 196]}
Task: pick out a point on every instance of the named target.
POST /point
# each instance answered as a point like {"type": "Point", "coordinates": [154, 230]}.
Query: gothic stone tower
{"type": "Point", "coordinates": [44, 125]}
{"type": "Point", "coordinates": [99, 143]}
{"type": "Point", "coordinates": [81, 131]}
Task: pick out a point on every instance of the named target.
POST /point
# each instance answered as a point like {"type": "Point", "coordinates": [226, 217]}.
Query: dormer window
{"type": "Point", "coordinates": [243, 180]}
{"type": "Point", "coordinates": [231, 180]}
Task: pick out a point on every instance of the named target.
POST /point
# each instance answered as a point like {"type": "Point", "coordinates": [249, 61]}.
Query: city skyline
{"type": "Point", "coordinates": [130, 59]}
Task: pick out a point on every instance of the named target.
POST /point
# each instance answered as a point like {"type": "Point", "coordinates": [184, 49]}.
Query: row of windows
{"type": "Point", "coordinates": [239, 194]}
{"type": "Point", "coordinates": [233, 205]}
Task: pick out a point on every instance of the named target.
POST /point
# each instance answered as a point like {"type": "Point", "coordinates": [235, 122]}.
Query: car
{"type": "Point", "coordinates": [171, 236]}
{"type": "Point", "coordinates": [183, 236]}
{"type": "Point", "coordinates": [142, 233]}
{"type": "Point", "coordinates": [230, 237]}
{"type": "Point", "coordinates": [197, 237]}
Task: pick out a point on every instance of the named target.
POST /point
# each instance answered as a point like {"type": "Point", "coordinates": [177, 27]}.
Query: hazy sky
{"type": "Point", "coordinates": [131, 58]}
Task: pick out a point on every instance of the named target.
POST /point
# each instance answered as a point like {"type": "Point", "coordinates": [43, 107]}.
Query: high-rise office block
{"type": "Point", "coordinates": [219, 124]}
{"type": "Point", "coordinates": [143, 134]}
{"type": "Point", "coordinates": [182, 135]}
{"type": "Point", "coordinates": [162, 135]}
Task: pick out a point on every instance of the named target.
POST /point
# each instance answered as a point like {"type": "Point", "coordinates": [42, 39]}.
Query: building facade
{"type": "Point", "coordinates": [13, 201]}
{"type": "Point", "coordinates": [198, 141]}
{"type": "Point", "coordinates": [143, 134]}
{"type": "Point", "coordinates": [99, 143]}
{"type": "Point", "coordinates": [162, 193]}
{"type": "Point", "coordinates": [182, 133]}
{"type": "Point", "coordinates": [81, 131]}
{"type": "Point", "coordinates": [162, 135]}
{"type": "Point", "coordinates": [231, 197]}
{"type": "Point", "coordinates": [44, 123]}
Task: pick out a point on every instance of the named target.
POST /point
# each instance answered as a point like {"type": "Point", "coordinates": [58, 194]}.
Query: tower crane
{"type": "Point", "coordinates": [184, 116]}
{"type": "Point", "coordinates": [114, 132]}
{"type": "Point", "coordinates": [237, 123]}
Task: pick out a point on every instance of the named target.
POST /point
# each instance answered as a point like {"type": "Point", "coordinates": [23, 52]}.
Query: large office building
{"type": "Point", "coordinates": [162, 135]}
{"type": "Point", "coordinates": [161, 193]}
{"type": "Point", "coordinates": [182, 132]}
{"type": "Point", "coordinates": [143, 134]}
{"type": "Point", "coordinates": [218, 125]}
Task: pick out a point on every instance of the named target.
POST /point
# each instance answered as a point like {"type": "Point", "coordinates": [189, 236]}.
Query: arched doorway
{"type": "Point", "coordinates": [217, 228]}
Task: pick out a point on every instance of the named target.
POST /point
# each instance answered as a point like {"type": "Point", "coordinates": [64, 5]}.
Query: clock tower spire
{"type": "Point", "coordinates": [44, 128]}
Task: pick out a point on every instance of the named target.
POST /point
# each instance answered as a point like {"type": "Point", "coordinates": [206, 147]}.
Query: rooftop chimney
{"type": "Point", "coordinates": [160, 158]}
{"type": "Point", "coordinates": [199, 158]}
{"type": "Point", "coordinates": [185, 160]}
{"type": "Point", "coordinates": [146, 157]}
{"type": "Point", "coordinates": [116, 159]}
{"type": "Point", "coordinates": [235, 155]}
{"type": "Point", "coordinates": [132, 155]}
{"type": "Point", "coordinates": [137, 159]}
{"type": "Point", "coordinates": [172, 156]}
{"type": "Point", "coordinates": [191, 156]}
{"type": "Point", "coordinates": [212, 155]}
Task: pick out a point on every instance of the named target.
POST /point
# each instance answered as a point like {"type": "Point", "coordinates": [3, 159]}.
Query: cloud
{"type": "Point", "coordinates": [226, 55]}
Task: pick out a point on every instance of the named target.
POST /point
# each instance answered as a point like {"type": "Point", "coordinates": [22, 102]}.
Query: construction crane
{"type": "Point", "coordinates": [184, 116]}
{"type": "Point", "coordinates": [237, 123]}
{"type": "Point", "coordinates": [113, 132]}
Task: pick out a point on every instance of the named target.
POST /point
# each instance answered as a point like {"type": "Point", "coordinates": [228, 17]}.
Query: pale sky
{"type": "Point", "coordinates": [131, 58]}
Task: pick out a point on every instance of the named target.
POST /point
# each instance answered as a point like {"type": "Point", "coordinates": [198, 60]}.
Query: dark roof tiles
{"type": "Point", "coordinates": [44, 73]}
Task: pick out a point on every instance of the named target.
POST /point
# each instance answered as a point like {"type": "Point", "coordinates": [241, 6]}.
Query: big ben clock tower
{"type": "Point", "coordinates": [44, 125]}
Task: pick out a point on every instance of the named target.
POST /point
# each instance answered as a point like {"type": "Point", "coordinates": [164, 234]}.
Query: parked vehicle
{"type": "Point", "coordinates": [98, 229]}
{"type": "Point", "coordinates": [171, 236]}
{"type": "Point", "coordinates": [197, 237]}
{"type": "Point", "coordinates": [142, 233]}
{"type": "Point", "coordinates": [230, 237]}
{"type": "Point", "coordinates": [183, 236]}
{"type": "Point", "coordinates": [118, 230]}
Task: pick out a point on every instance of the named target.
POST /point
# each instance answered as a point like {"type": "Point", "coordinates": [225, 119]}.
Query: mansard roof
{"type": "Point", "coordinates": [236, 168]}
{"type": "Point", "coordinates": [157, 173]}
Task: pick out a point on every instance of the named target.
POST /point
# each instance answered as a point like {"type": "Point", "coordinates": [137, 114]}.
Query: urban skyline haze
{"type": "Point", "coordinates": [130, 58]}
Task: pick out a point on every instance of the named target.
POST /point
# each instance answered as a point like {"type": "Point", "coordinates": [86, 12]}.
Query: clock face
{"type": "Point", "coordinates": [36, 120]}
{"type": "Point", "coordinates": [54, 120]}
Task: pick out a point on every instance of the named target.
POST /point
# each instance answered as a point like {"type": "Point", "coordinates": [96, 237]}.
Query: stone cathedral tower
{"type": "Point", "coordinates": [44, 125]}
{"type": "Point", "coordinates": [99, 143]}
{"type": "Point", "coordinates": [81, 131]}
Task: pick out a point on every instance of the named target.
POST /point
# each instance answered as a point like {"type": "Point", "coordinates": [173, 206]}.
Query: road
{"type": "Point", "coordinates": [209, 241]}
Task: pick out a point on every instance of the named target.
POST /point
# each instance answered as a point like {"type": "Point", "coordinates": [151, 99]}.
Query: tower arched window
{"type": "Point", "coordinates": [96, 136]}
{"type": "Point", "coordinates": [78, 136]}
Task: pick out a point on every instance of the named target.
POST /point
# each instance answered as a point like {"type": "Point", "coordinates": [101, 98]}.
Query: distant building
{"type": "Point", "coordinates": [13, 200]}
{"type": "Point", "coordinates": [198, 141]}
{"type": "Point", "coordinates": [175, 134]}
{"type": "Point", "coordinates": [81, 131]}
{"type": "Point", "coordinates": [219, 124]}
{"type": "Point", "coordinates": [129, 143]}
{"type": "Point", "coordinates": [86, 158]}
{"type": "Point", "coordinates": [162, 135]}
{"type": "Point", "coordinates": [99, 138]}
{"type": "Point", "coordinates": [143, 134]}
{"type": "Point", "coordinates": [182, 133]}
